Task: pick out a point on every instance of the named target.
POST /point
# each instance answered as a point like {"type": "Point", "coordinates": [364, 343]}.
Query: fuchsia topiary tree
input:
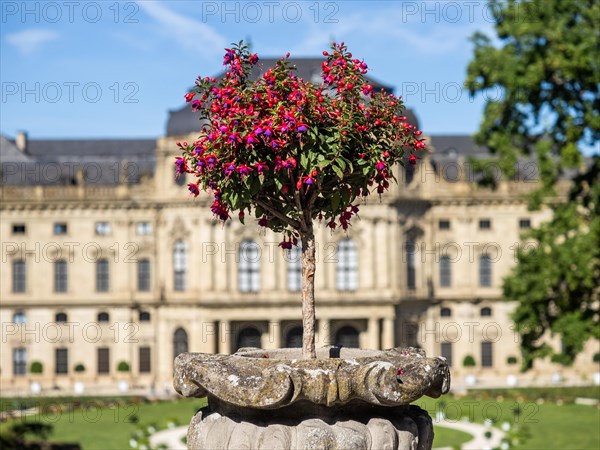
{"type": "Point", "coordinates": [291, 151]}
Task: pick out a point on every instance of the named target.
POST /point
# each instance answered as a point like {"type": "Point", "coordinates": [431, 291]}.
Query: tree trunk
{"type": "Point", "coordinates": [308, 294]}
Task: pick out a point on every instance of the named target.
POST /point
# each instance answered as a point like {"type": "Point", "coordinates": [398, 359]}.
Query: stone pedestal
{"type": "Point", "coordinates": [344, 399]}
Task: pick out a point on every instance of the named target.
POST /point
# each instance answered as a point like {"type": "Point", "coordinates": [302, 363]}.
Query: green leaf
{"type": "Point", "coordinates": [335, 202]}
{"type": "Point", "coordinates": [338, 171]}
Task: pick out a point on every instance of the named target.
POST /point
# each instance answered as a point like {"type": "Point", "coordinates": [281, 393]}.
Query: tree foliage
{"type": "Point", "coordinates": [541, 78]}
{"type": "Point", "coordinates": [292, 150]}
{"type": "Point", "coordinates": [557, 281]}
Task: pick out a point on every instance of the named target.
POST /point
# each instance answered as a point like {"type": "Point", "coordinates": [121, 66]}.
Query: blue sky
{"type": "Point", "coordinates": [114, 69]}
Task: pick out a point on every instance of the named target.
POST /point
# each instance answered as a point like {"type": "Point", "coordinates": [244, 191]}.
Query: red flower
{"type": "Point", "coordinates": [189, 97]}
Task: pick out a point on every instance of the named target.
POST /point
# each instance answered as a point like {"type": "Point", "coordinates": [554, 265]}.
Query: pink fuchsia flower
{"type": "Point", "coordinates": [286, 245]}
{"type": "Point", "coordinates": [229, 168]}
{"type": "Point", "coordinates": [243, 170]}
{"type": "Point", "coordinates": [261, 167]}
{"type": "Point", "coordinates": [219, 210]}
{"type": "Point", "coordinates": [302, 128]}
{"type": "Point", "coordinates": [229, 56]}
{"type": "Point", "coordinates": [194, 190]}
{"type": "Point", "coordinates": [250, 140]}
{"type": "Point", "coordinates": [211, 160]}
{"type": "Point", "coordinates": [412, 159]}
{"type": "Point", "coordinates": [263, 222]}
{"type": "Point", "coordinates": [180, 165]}
{"type": "Point", "coordinates": [189, 97]}
{"type": "Point", "coordinates": [289, 163]}
{"type": "Point", "coordinates": [196, 105]}
{"type": "Point", "coordinates": [380, 166]}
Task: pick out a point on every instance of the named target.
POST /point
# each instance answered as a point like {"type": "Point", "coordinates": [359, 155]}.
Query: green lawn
{"type": "Point", "coordinates": [546, 426]}
{"type": "Point", "coordinates": [111, 427]}
{"type": "Point", "coordinates": [445, 437]}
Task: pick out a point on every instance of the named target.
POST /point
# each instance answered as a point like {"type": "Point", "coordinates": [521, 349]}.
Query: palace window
{"type": "Point", "coordinates": [145, 360]}
{"type": "Point", "coordinates": [249, 337]}
{"type": "Point", "coordinates": [103, 317]}
{"type": "Point", "coordinates": [445, 312]}
{"type": "Point", "coordinates": [294, 257]}
{"type": "Point", "coordinates": [293, 338]}
{"type": "Point", "coordinates": [249, 267]}
{"type": "Point", "coordinates": [486, 311]}
{"type": "Point", "coordinates": [60, 276]}
{"type": "Point", "coordinates": [444, 224]}
{"type": "Point", "coordinates": [347, 266]}
{"type": "Point", "coordinates": [102, 275]}
{"type": "Point", "coordinates": [347, 336]}
{"type": "Point", "coordinates": [411, 270]}
{"type": "Point", "coordinates": [60, 228]}
{"type": "Point", "coordinates": [144, 316]}
{"type": "Point", "coordinates": [61, 361]}
{"type": "Point", "coordinates": [143, 228]}
{"type": "Point", "coordinates": [485, 224]}
{"type": "Point", "coordinates": [19, 276]}
{"type": "Point", "coordinates": [485, 271]}
{"type": "Point", "coordinates": [103, 361]}
{"type": "Point", "coordinates": [446, 352]}
{"type": "Point", "coordinates": [19, 228]}
{"type": "Point", "coordinates": [103, 228]}
{"type": "Point", "coordinates": [144, 279]}
{"type": "Point", "coordinates": [180, 342]}
{"type": "Point", "coordinates": [524, 224]}
{"type": "Point", "coordinates": [19, 361]}
{"type": "Point", "coordinates": [179, 265]}
{"type": "Point", "coordinates": [445, 271]}
{"type": "Point", "coordinates": [60, 317]}
{"type": "Point", "coordinates": [19, 318]}
{"type": "Point", "coordinates": [486, 354]}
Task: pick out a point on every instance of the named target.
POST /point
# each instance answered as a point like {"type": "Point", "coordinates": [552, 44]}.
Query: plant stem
{"type": "Point", "coordinates": [308, 292]}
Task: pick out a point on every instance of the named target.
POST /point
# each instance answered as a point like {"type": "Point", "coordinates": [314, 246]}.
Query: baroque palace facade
{"type": "Point", "coordinates": [108, 262]}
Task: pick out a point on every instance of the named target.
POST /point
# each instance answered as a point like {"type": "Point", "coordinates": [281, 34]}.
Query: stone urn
{"type": "Point", "coordinates": [344, 399]}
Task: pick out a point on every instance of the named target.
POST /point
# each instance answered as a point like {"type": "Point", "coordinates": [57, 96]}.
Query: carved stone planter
{"type": "Point", "coordinates": [344, 399]}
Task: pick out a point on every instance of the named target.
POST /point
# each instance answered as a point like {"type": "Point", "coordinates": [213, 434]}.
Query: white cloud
{"type": "Point", "coordinates": [188, 32]}
{"type": "Point", "coordinates": [29, 41]}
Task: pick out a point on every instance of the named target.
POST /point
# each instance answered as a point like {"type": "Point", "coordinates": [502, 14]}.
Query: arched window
{"type": "Point", "coordinates": [103, 317]}
{"type": "Point", "coordinates": [249, 337]}
{"type": "Point", "coordinates": [347, 336]}
{"type": "Point", "coordinates": [19, 318]}
{"type": "Point", "coordinates": [485, 271]}
{"type": "Point", "coordinates": [347, 266]}
{"type": "Point", "coordinates": [486, 312]}
{"type": "Point", "coordinates": [446, 312]}
{"type": "Point", "coordinates": [180, 342]}
{"type": "Point", "coordinates": [249, 267]}
{"type": "Point", "coordinates": [144, 316]}
{"type": "Point", "coordinates": [294, 258]}
{"type": "Point", "coordinates": [294, 338]}
{"type": "Point", "coordinates": [445, 271]}
{"type": "Point", "coordinates": [179, 265]}
{"type": "Point", "coordinates": [60, 317]}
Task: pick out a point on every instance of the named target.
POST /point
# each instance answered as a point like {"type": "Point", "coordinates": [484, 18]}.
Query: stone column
{"type": "Point", "coordinates": [388, 340]}
{"type": "Point", "coordinates": [273, 336]}
{"type": "Point", "coordinates": [225, 337]}
{"type": "Point", "coordinates": [209, 338]}
{"type": "Point", "coordinates": [324, 336]}
{"type": "Point", "coordinates": [374, 333]}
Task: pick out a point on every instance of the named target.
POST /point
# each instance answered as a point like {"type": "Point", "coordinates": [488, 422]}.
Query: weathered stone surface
{"type": "Point", "coordinates": [347, 399]}
{"type": "Point", "coordinates": [271, 379]}
{"type": "Point", "coordinates": [399, 431]}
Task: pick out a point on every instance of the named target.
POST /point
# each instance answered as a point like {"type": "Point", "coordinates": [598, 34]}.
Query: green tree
{"type": "Point", "coordinates": [541, 77]}
{"type": "Point", "coordinates": [544, 63]}
{"type": "Point", "coordinates": [557, 281]}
